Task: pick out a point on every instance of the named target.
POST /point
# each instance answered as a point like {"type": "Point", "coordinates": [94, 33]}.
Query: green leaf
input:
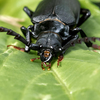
{"type": "Point", "coordinates": [78, 77]}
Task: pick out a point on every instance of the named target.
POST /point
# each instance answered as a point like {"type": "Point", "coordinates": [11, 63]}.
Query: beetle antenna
{"type": "Point", "coordinates": [80, 40]}
{"type": "Point", "coordinates": [17, 36]}
{"type": "Point", "coordinates": [87, 39]}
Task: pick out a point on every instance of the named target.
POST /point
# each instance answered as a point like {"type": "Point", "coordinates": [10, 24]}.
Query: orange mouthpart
{"type": "Point", "coordinates": [46, 53]}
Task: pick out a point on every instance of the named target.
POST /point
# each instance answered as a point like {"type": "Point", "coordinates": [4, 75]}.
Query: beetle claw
{"type": "Point", "coordinates": [49, 68]}
{"type": "Point", "coordinates": [42, 66]}
{"type": "Point", "coordinates": [60, 58]}
{"type": "Point", "coordinates": [49, 65]}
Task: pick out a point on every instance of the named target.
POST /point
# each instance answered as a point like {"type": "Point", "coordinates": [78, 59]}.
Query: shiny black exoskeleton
{"type": "Point", "coordinates": [56, 24]}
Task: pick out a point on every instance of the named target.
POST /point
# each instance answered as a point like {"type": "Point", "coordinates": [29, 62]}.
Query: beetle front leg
{"type": "Point", "coordinates": [18, 48]}
{"type": "Point", "coordinates": [27, 34]}
{"type": "Point", "coordinates": [60, 58]}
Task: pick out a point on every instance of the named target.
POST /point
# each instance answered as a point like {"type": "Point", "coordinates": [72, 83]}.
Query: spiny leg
{"type": "Point", "coordinates": [20, 38]}
{"type": "Point", "coordinates": [80, 40]}
{"type": "Point", "coordinates": [17, 36]}
{"type": "Point", "coordinates": [86, 39]}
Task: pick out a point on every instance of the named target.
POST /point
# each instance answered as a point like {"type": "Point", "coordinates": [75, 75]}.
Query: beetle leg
{"type": "Point", "coordinates": [17, 36]}
{"type": "Point", "coordinates": [18, 48]}
{"type": "Point", "coordinates": [96, 46]}
{"type": "Point", "coordinates": [76, 30]}
{"type": "Point", "coordinates": [46, 64]}
{"type": "Point", "coordinates": [34, 59]}
{"type": "Point", "coordinates": [42, 66]}
{"type": "Point", "coordinates": [60, 58]}
{"type": "Point", "coordinates": [69, 44]}
{"type": "Point", "coordinates": [24, 30]}
{"type": "Point", "coordinates": [80, 40]}
{"type": "Point", "coordinates": [41, 62]}
{"type": "Point", "coordinates": [49, 65]}
{"type": "Point", "coordinates": [86, 14]}
{"type": "Point", "coordinates": [27, 34]}
{"type": "Point", "coordinates": [28, 11]}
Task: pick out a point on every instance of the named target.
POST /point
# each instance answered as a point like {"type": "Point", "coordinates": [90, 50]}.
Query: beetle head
{"type": "Point", "coordinates": [46, 55]}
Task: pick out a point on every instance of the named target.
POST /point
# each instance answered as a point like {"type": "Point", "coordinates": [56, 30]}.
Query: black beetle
{"type": "Point", "coordinates": [56, 24]}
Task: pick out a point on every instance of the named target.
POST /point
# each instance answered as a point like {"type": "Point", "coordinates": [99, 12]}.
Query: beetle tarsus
{"type": "Point", "coordinates": [60, 58]}
{"type": "Point", "coordinates": [18, 48]}
{"type": "Point", "coordinates": [42, 66]}
{"type": "Point", "coordinates": [49, 65]}
{"type": "Point", "coordinates": [96, 46]}
{"type": "Point", "coordinates": [33, 59]}
{"type": "Point", "coordinates": [1, 29]}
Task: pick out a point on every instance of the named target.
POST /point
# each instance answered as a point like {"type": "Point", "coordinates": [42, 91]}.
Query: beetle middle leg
{"type": "Point", "coordinates": [27, 34]}
{"type": "Point", "coordinates": [17, 36]}
{"type": "Point", "coordinates": [85, 15]}
{"type": "Point", "coordinates": [83, 35]}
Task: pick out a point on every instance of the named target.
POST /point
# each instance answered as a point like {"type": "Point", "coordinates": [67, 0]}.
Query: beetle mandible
{"type": "Point", "coordinates": [55, 26]}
